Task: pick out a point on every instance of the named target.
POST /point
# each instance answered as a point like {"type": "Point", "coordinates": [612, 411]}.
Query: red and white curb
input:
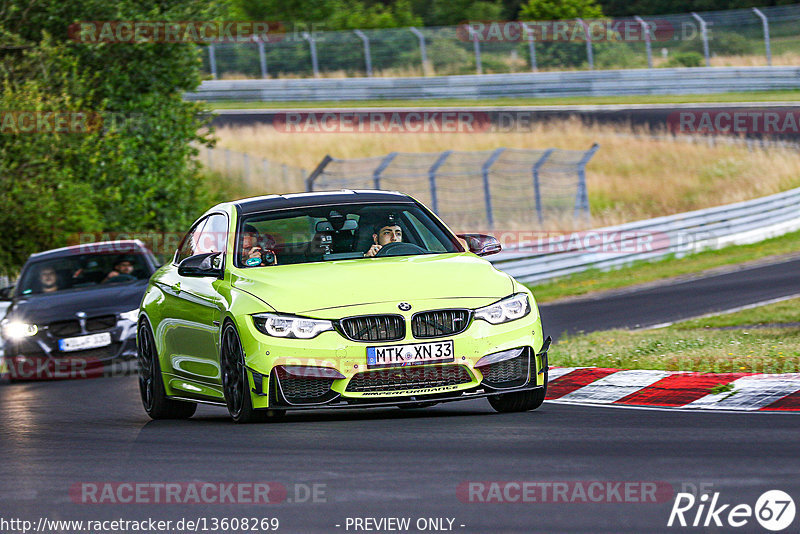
{"type": "Point", "coordinates": [675, 389]}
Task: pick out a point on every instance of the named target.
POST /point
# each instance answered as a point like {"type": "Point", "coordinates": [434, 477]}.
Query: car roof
{"type": "Point", "coordinates": [123, 246]}
{"type": "Point", "coordinates": [318, 198]}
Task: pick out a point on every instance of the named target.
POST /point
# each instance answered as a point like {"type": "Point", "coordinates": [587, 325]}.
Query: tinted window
{"type": "Point", "coordinates": [82, 271]}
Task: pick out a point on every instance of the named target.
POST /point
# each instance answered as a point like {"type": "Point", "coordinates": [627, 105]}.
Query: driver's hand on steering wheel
{"type": "Point", "coordinates": [373, 250]}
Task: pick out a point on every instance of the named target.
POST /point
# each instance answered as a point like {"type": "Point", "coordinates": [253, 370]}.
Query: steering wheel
{"type": "Point", "coordinates": [120, 278]}
{"type": "Point", "coordinates": [398, 248]}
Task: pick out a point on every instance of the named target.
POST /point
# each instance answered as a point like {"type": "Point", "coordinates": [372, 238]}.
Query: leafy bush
{"type": "Point", "coordinates": [686, 59]}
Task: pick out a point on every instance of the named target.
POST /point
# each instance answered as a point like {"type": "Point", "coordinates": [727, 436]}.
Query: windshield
{"type": "Point", "coordinates": [82, 271]}
{"type": "Point", "coordinates": [337, 232]}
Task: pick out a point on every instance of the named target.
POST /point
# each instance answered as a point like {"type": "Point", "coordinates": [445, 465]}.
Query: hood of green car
{"type": "Point", "coordinates": [309, 287]}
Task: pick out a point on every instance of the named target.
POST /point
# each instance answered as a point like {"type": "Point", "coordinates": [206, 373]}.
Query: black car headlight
{"type": "Point", "coordinates": [17, 329]}
{"type": "Point", "coordinates": [276, 325]}
{"type": "Point", "coordinates": [509, 309]}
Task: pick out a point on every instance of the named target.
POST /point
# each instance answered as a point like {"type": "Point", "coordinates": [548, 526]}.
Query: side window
{"type": "Point", "coordinates": [189, 244]}
{"type": "Point", "coordinates": [214, 234]}
{"type": "Point", "coordinates": [429, 240]}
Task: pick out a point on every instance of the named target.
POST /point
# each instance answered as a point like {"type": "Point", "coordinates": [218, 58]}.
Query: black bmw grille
{"type": "Point", "coordinates": [439, 323]}
{"type": "Point", "coordinates": [104, 322]}
{"type": "Point", "coordinates": [508, 373]}
{"type": "Point", "coordinates": [374, 327]}
{"type": "Point", "coordinates": [299, 390]}
{"type": "Point", "coordinates": [409, 378]}
{"type": "Point", "coordinates": [64, 328]}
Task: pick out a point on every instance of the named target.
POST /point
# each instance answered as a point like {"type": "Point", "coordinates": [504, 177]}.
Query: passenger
{"type": "Point", "coordinates": [386, 231]}
{"type": "Point", "coordinates": [48, 279]}
{"type": "Point", "coordinates": [254, 248]}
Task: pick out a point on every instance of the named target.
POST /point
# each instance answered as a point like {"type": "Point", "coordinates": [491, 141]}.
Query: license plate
{"type": "Point", "coordinates": [415, 354]}
{"type": "Point", "coordinates": [91, 341]}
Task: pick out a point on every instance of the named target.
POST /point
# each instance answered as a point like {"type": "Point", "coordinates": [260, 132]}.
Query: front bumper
{"type": "Point", "coordinates": [358, 386]}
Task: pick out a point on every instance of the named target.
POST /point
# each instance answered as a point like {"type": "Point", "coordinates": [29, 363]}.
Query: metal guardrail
{"type": "Point", "coordinates": [740, 223]}
{"type": "Point", "coordinates": [699, 80]}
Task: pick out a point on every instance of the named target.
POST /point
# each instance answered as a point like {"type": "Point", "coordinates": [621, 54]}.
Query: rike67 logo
{"type": "Point", "coordinates": [774, 510]}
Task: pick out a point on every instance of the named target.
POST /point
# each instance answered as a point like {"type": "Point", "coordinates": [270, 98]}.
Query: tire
{"type": "Point", "coordinates": [151, 382]}
{"type": "Point", "coordinates": [235, 385]}
{"type": "Point", "coordinates": [521, 401]}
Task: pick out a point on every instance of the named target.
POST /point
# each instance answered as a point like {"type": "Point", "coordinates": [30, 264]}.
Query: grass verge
{"type": "Point", "coordinates": [754, 96]}
{"type": "Point", "coordinates": [644, 272]}
{"type": "Point", "coordinates": [695, 345]}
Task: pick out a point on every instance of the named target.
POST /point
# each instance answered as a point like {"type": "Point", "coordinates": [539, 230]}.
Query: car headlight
{"type": "Point", "coordinates": [18, 329]}
{"type": "Point", "coordinates": [510, 308]}
{"type": "Point", "coordinates": [290, 326]}
{"type": "Point", "coordinates": [132, 315]}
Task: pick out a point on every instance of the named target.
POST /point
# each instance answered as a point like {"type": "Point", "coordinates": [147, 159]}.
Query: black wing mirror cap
{"type": "Point", "coordinates": [201, 265]}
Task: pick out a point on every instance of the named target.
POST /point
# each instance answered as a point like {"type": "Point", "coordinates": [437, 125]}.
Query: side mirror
{"type": "Point", "coordinates": [6, 293]}
{"type": "Point", "coordinates": [481, 244]}
{"type": "Point", "coordinates": [201, 265]}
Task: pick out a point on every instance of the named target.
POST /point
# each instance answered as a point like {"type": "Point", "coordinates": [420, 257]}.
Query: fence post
{"type": "Point", "coordinates": [212, 61]}
{"type": "Point", "coordinates": [317, 171]}
{"type": "Point", "coordinates": [765, 23]}
{"type": "Point", "coordinates": [265, 168]}
{"type": "Point", "coordinates": [589, 51]}
{"type": "Point", "coordinates": [312, 43]}
{"type": "Point", "coordinates": [367, 55]}
{"type": "Point", "coordinates": [536, 188]}
{"type": "Point", "coordinates": [376, 174]}
{"type": "Point", "coordinates": [704, 35]}
{"type": "Point", "coordinates": [432, 178]}
{"type": "Point", "coordinates": [262, 57]}
{"type": "Point", "coordinates": [476, 46]}
{"type": "Point", "coordinates": [246, 167]}
{"type": "Point", "coordinates": [582, 196]}
{"type": "Point", "coordinates": [423, 52]}
{"type": "Point", "coordinates": [531, 48]}
{"type": "Point", "coordinates": [210, 152]}
{"type": "Point", "coordinates": [227, 162]}
{"type": "Point", "coordinates": [487, 192]}
{"type": "Point", "coordinates": [646, 30]}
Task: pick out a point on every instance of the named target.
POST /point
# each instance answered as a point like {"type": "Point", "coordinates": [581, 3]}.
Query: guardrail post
{"type": "Point", "coordinates": [432, 178]}
{"type": "Point", "coordinates": [704, 35]}
{"type": "Point", "coordinates": [262, 57]}
{"type": "Point", "coordinates": [312, 43]}
{"type": "Point", "coordinates": [317, 171]}
{"type": "Point", "coordinates": [648, 45]}
{"type": "Point", "coordinates": [765, 24]}
{"type": "Point", "coordinates": [531, 48]}
{"type": "Point", "coordinates": [476, 46]}
{"type": "Point", "coordinates": [422, 50]}
{"type": "Point", "coordinates": [367, 55]}
{"type": "Point", "coordinates": [487, 192]}
{"type": "Point", "coordinates": [589, 51]}
{"type": "Point", "coordinates": [376, 174]}
{"type": "Point", "coordinates": [582, 196]}
{"type": "Point", "coordinates": [536, 189]}
{"type": "Point", "coordinates": [212, 61]}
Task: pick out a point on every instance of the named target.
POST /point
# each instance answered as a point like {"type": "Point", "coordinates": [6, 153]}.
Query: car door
{"type": "Point", "coordinates": [192, 335]}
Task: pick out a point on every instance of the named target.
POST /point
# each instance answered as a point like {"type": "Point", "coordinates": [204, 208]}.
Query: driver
{"type": "Point", "coordinates": [386, 231]}
{"type": "Point", "coordinates": [48, 279]}
{"type": "Point", "coordinates": [254, 251]}
{"type": "Point", "coordinates": [124, 266]}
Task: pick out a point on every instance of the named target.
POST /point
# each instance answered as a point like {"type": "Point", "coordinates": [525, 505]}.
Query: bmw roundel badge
{"type": "Point", "coordinates": [404, 306]}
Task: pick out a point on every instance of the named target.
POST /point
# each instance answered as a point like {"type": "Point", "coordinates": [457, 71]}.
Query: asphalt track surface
{"type": "Point", "coordinates": [408, 463]}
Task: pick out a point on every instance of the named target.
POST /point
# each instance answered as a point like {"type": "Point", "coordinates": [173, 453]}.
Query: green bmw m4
{"type": "Point", "coordinates": [334, 300]}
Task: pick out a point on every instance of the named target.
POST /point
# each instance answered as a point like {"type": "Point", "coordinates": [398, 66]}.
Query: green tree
{"type": "Point", "coordinates": [560, 10]}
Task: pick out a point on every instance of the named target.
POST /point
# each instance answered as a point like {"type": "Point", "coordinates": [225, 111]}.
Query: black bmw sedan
{"type": "Point", "coordinates": [75, 308]}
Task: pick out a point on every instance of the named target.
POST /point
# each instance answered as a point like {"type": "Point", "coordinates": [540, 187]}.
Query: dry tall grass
{"type": "Point", "coordinates": [631, 177]}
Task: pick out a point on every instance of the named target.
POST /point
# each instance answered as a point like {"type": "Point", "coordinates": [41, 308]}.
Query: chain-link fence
{"type": "Point", "coordinates": [506, 187]}
{"type": "Point", "coordinates": [256, 174]}
{"type": "Point", "coordinates": [740, 37]}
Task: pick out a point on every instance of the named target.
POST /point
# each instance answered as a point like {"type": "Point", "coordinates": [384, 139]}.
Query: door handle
{"type": "Point", "coordinates": [176, 287]}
